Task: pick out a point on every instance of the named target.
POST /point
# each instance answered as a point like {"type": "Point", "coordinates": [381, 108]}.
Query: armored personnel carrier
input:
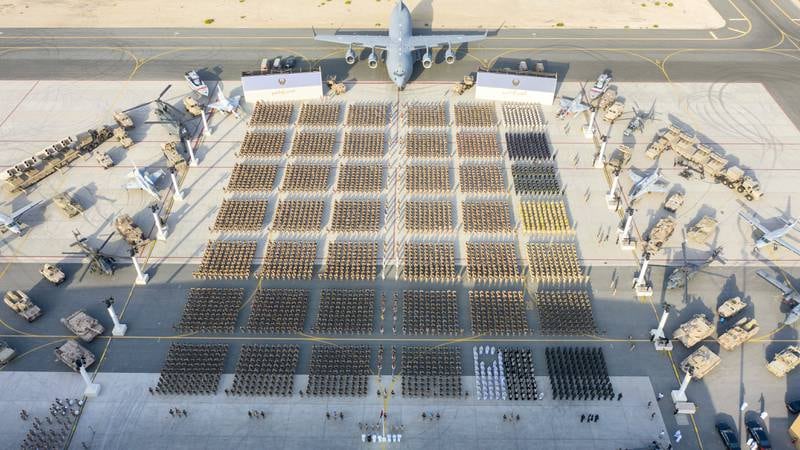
{"type": "Point", "coordinates": [731, 307]}
{"type": "Point", "coordinates": [192, 107]}
{"type": "Point", "coordinates": [658, 235]}
{"type": "Point", "coordinates": [6, 353]}
{"type": "Point", "coordinates": [608, 99]}
{"type": "Point", "coordinates": [123, 120]}
{"type": "Point", "coordinates": [784, 361]}
{"type": "Point", "coordinates": [122, 137]}
{"type": "Point", "coordinates": [20, 303]}
{"type": "Point", "coordinates": [129, 231]}
{"type": "Point", "coordinates": [170, 150]}
{"type": "Point", "coordinates": [52, 273]}
{"type": "Point", "coordinates": [71, 351]}
{"type": "Point", "coordinates": [694, 331]}
{"type": "Point", "coordinates": [613, 112]}
{"type": "Point", "coordinates": [103, 159]}
{"type": "Point", "coordinates": [83, 325]}
{"type": "Point", "coordinates": [674, 202]}
{"type": "Point", "coordinates": [742, 331]}
{"type": "Point", "coordinates": [67, 205]}
{"type": "Point", "coordinates": [700, 362]}
{"type": "Point", "coordinates": [702, 230]}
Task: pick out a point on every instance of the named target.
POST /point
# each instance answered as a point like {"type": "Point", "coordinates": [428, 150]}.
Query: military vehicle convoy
{"type": "Point", "coordinates": [731, 307]}
{"type": "Point", "coordinates": [700, 362]}
{"type": "Point", "coordinates": [20, 303]}
{"type": "Point", "coordinates": [129, 231]}
{"type": "Point", "coordinates": [741, 332]}
{"type": "Point", "coordinates": [701, 159]}
{"type": "Point", "coordinates": [83, 325]}
{"type": "Point", "coordinates": [6, 353]}
{"type": "Point", "coordinates": [67, 205]}
{"type": "Point", "coordinates": [694, 331]}
{"type": "Point", "coordinates": [784, 361]}
{"type": "Point", "coordinates": [659, 235]}
{"type": "Point", "coordinates": [52, 273]}
{"type": "Point", "coordinates": [71, 351]}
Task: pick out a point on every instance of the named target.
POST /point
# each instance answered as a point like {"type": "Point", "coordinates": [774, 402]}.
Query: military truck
{"type": "Point", "coordinates": [608, 99]}
{"type": "Point", "coordinates": [83, 325]}
{"type": "Point", "coordinates": [674, 202]}
{"type": "Point", "coordinates": [731, 307]}
{"type": "Point", "coordinates": [122, 136]}
{"type": "Point", "coordinates": [613, 112]}
{"type": "Point", "coordinates": [700, 362]}
{"type": "Point", "coordinates": [129, 231]}
{"type": "Point", "coordinates": [6, 353]}
{"type": "Point", "coordinates": [702, 230]}
{"type": "Point", "coordinates": [672, 137]}
{"type": "Point", "coordinates": [703, 160]}
{"type": "Point", "coordinates": [20, 303]}
{"type": "Point", "coordinates": [741, 332]}
{"type": "Point", "coordinates": [123, 120]}
{"type": "Point", "coordinates": [694, 331]}
{"type": "Point", "coordinates": [52, 273]}
{"type": "Point", "coordinates": [103, 159]}
{"type": "Point", "coordinates": [659, 235]}
{"type": "Point", "coordinates": [784, 361]}
{"type": "Point", "coordinates": [619, 158]}
{"type": "Point", "coordinates": [175, 159]}
{"type": "Point", "coordinates": [192, 107]}
{"type": "Point", "coordinates": [71, 351]}
{"type": "Point", "coordinates": [67, 205]}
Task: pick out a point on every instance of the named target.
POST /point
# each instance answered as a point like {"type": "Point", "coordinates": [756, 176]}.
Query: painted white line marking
{"type": "Point", "coordinates": [713, 35]}
{"type": "Point", "coordinates": [738, 18]}
{"type": "Point", "coordinates": [738, 31]}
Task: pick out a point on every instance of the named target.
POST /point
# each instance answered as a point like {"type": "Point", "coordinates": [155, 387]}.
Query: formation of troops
{"type": "Point", "coordinates": [265, 370]}
{"type": "Point", "coordinates": [578, 373]}
{"type": "Point", "coordinates": [51, 431]}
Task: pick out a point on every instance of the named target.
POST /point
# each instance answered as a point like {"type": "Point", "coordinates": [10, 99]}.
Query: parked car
{"type": "Point", "coordinates": [730, 438]}
{"type": "Point", "coordinates": [758, 433]}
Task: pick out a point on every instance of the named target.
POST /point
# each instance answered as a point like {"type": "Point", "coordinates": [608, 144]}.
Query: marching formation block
{"type": "Point", "coordinates": [211, 310]}
{"type": "Point", "coordinates": [289, 260]}
{"type": "Point", "coordinates": [360, 178]}
{"type": "Point", "coordinates": [271, 114]}
{"type": "Point", "coordinates": [529, 146]}
{"type": "Point", "coordinates": [492, 261]}
{"type": "Point", "coordinates": [429, 216]}
{"type": "Point", "coordinates": [345, 311]}
{"type": "Point", "coordinates": [427, 144]}
{"type": "Point", "coordinates": [298, 215]}
{"type": "Point", "coordinates": [520, 379]}
{"type": "Point", "coordinates": [306, 177]}
{"type": "Point", "coordinates": [486, 217]}
{"type": "Point", "coordinates": [428, 178]}
{"type": "Point", "coordinates": [475, 115]}
{"type": "Point", "coordinates": [351, 261]}
{"type": "Point", "coordinates": [252, 178]}
{"type": "Point", "coordinates": [262, 143]}
{"type": "Point", "coordinates": [319, 114]}
{"type": "Point", "coordinates": [523, 116]}
{"type": "Point", "coordinates": [471, 144]}
{"type": "Point", "coordinates": [340, 371]}
{"type": "Point", "coordinates": [545, 216]}
{"type": "Point", "coordinates": [192, 369]}
{"type": "Point", "coordinates": [226, 260]}
{"type": "Point", "coordinates": [364, 144]}
{"type": "Point", "coordinates": [536, 179]}
{"type": "Point", "coordinates": [481, 179]}
{"type": "Point", "coordinates": [265, 370]}
{"type": "Point", "coordinates": [367, 114]}
{"type": "Point", "coordinates": [240, 216]}
{"type": "Point", "coordinates": [278, 311]}
{"type": "Point", "coordinates": [431, 313]}
{"type": "Point", "coordinates": [431, 372]}
{"type": "Point", "coordinates": [429, 261]}
{"type": "Point", "coordinates": [565, 313]}
{"type": "Point", "coordinates": [555, 262]}
{"type": "Point", "coordinates": [428, 115]}
{"type": "Point", "coordinates": [578, 374]}
{"type": "Point", "coordinates": [313, 143]}
{"type": "Point", "coordinates": [357, 216]}
{"type": "Point", "coordinates": [498, 313]}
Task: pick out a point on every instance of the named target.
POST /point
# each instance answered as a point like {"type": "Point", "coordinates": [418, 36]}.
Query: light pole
{"type": "Point", "coordinates": [119, 328]}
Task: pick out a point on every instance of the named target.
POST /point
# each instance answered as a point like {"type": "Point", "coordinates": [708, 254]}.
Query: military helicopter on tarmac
{"type": "Point", "coordinates": [99, 262]}
{"type": "Point", "coordinates": [681, 276]}
{"type": "Point", "coordinates": [172, 118]}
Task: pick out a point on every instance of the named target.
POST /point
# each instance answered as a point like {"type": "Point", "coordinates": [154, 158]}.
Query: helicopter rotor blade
{"type": "Point", "coordinates": [138, 106]}
{"type": "Point", "coordinates": [105, 242]}
{"type": "Point", "coordinates": [163, 92]}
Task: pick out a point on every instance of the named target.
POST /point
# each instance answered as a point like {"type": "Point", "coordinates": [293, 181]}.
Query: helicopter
{"type": "Point", "coordinates": [681, 276]}
{"type": "Point", "coordinates": [172, 118]}
{"type": "Point", "coordinates": [99, 262]}
{"type": "Point", "coordinates": [639, 119]}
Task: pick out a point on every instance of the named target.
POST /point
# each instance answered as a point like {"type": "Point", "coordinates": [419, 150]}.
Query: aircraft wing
{"type": "Point", "coordinates": [578, 107]}
{"type": "Point", "coordinates": [565, 102]}
{"type": "Point", "coordinates": [219, 106]}
{"type": "Point", "coordinates": [774, 281]}
{"type": "Point", "coordinates": [18, 213]}
{"type": "Point", "coordinates": [635, 178]}
{"type": "Point", "coordinates": [155, 176]}
{"type": "Point", "coordinates": [359, 40]}
{"type": "Point", "coordinates": [788, 246]}
{"type": "Point", "coordinates": [420, 42]}
{"type": "Point", "coordinates": [753, 221]}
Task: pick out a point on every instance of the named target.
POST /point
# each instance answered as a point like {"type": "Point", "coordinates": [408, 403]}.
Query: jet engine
{"type": "Point", "coordinates": [426, 59]}
{"type": "Point", "coordinates": [350, 56]}
{"type": "Point", "coordinates": [372, 60]}
{"type": "Point", "coordinates": [449, 56]}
